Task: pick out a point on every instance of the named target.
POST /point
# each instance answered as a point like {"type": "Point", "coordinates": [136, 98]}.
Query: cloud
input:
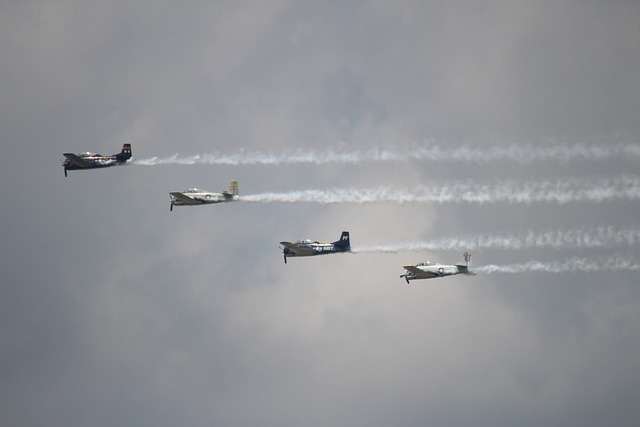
{"type": "Point", "coordinates": [116, 311]}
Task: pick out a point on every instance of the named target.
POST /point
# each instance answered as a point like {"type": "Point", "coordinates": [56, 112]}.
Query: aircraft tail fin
{"type": "Point", "coordinates": [125, 154]}
{"type": "Point", "coordinates": [467, 263]}
{"type": "Point", "coordinates": [233, 188]}
{"type": "Point", "coordinates": [344, 241]}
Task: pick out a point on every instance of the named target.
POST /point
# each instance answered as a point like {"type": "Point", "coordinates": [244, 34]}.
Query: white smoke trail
{"type": "Point", "coordinates": [574, 239]}
{"type": "Point", "coordinates": [520, 153]}
{"type": "Point", "coordinates": [560, 191]}
{"type": "Point", "coordinates": [569, 265]}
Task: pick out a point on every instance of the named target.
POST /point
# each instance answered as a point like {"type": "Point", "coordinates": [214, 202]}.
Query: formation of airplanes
{"type": "Point", "coordinates": [302, 248]}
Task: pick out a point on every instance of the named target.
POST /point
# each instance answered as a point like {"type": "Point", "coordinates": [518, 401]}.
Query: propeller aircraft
{"type": "Point", "coordinates": [88, 160]}
{"type": "Point", "coordinates": [429, 270]}
{"type": "Point", "coordinates": [195, 196]}
{"type": "Point", "coordinates": [311, 247]}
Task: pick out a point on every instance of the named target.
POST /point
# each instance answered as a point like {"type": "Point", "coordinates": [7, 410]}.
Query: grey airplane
{"type": "Point", "coordinates": [430, 270]}
{"type": "Point", "coordinates": [88, 160]}
{"type": "Point", "coordinates": [196, 197]}
{"type": "Point", "coordinates": [312, 247]}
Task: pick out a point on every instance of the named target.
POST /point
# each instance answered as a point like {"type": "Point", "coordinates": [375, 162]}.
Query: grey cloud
{"type": "Point", "coordinates": [116, 311]}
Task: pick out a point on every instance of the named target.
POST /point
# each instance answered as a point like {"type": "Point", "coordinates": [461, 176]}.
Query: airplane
{"type": "Point", "coordinates": [429, 270]}
{"type": "Point", "coordinates": [89, 160]}
{"type": "Point", "coordinates": [195, 196]}
{"type": "Point", "coordinates": [310, 247]}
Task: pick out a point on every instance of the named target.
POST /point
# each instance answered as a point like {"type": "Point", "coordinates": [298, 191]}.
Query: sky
{"type": "Point", "coordinates": [426, 129]}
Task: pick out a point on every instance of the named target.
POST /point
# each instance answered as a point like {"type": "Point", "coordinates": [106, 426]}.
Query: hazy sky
{"type": "Point", "coordinates": [115, 311]}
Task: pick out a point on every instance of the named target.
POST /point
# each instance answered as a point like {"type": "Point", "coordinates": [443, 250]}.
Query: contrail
{"type": "Point", "coordinates": [577, 239]}
{"type": "Point", "coordinates": [520, 153]}
{"type": "Point", "coordinates": [559, 191]}
{"type": "Point", "coordinates": [569, 265]}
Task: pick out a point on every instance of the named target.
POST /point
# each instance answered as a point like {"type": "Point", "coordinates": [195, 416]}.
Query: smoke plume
{"type": "Point", "coordinates": [559, 191]}
{"type": "Point", "coordinates": [569, 265]}
{"type": "Point", "coordinates": [519, 153]}
{"type": "Point", "coordinates": [597, 237]}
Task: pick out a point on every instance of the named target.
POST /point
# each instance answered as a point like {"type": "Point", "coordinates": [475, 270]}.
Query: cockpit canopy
{"type": "Point", "coordinates": [308, 242]}
{"type": "Point", "coordinates": [424, 264]}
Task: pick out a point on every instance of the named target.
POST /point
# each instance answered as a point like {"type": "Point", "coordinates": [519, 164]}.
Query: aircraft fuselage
{"type": "Point", "coordinates": [196, 196]}
{"type": "Point", "coordinates": [306, 248]}
{"type": "Point", "coordinates": [312, 247]}
{"type": "Point", "coordinates": [202, 198]}
{"type": "Point", "coordinates": [88, 160]}
{"type": "Point", "coordinates": [429, 270]}
{"type": "Point", "coordinates": [94, 161]}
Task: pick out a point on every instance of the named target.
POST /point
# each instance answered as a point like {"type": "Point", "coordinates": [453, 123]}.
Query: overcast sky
{"type": "Point", "coordinates": [115, 311]}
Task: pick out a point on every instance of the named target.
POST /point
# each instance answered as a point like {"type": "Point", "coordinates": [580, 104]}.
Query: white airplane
{"type": "Point", "coordinates": [195, 196]}
{"type": "Point", "coordinates": [313, 247]}
{"type": "Point", "coordinates": [430, 270]}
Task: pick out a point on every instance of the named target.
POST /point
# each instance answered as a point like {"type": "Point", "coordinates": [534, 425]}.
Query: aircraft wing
{"type": "Point", "coordinates": [73, 158]}
{"type": "Point", "coordinates": [419, 273]}
{"type": "Point", "coordinates": [297, 249]}
{"type": "Point", "coordinates": [185, 199]}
